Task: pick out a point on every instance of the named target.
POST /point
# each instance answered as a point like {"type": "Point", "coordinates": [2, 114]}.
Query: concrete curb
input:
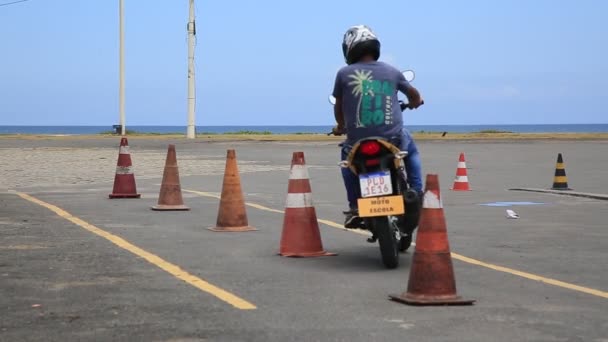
{"type": "Point", "coordinates": [564, 192]}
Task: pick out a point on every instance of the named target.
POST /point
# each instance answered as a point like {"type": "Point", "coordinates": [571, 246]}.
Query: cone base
{"type": "Point", "coordinates": [456, 189]}
{"type": "Point", "coordinates": [430, 300]}
{"type": "Point", "coordinates": [565, 189]}
{"type": "Point", "coordinates": [125, 195]}
{"type": "Point", "coordinates": [307, 255]}
{"type": "Point", "coordinates": [165, 207]}
{"type": "Point", "coordinates": [232, 229]}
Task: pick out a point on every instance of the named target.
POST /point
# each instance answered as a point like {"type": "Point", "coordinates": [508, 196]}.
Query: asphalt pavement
{"type": "Point", "coordinates": [542, 277]}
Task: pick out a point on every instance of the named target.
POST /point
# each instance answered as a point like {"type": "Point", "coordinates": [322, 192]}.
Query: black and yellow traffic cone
{"type": "Point", "coordinates": [560, 181]}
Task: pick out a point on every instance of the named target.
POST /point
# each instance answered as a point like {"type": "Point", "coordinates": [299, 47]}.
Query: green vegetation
{"type": "Point", "coordinates": [484, 131]}
{"type": "Point", "coordinates": [493, 131]}
{"type": "Point", "coordinates": [249, 133]}
{"type": "Point", "coordinates": [128, 131]}
{"type": "Point", "coordinates": [131, 132]}
{"type": "Point", "coordinates": [253, 136]}
{"type": "Point", "coordinates": [425, 132]}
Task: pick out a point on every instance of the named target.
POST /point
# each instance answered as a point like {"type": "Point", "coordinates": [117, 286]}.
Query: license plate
{"type": "Point", "coordinates": [376, 184]}
{"type": "Point", "coordinates": [381, 206]}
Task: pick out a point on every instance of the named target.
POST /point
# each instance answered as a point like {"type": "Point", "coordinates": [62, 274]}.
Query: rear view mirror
{"type": "Point", "coordinates": [332, 99]}
{"type": "Point", "coordinates": [409, 75]}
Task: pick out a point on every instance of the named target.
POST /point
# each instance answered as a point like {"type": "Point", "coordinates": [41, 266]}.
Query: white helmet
{"type": "Point", "coordinates": [358, 41]}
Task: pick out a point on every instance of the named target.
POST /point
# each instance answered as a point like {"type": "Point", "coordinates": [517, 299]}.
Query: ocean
{"type": "Point", "coordinates": [78, 130]}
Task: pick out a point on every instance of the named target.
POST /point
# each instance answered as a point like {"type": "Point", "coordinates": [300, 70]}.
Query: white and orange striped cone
{"type": "Point", "coordinates": [461, 182]}
{"type": "Point", "coordinates": [124, 180]}
{"type": "Point", "coordinates": [301, 236]}
{"type": "Point", "coordinates": [432, 280]}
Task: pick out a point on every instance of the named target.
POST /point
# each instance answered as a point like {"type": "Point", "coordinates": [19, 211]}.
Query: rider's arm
{"type": "Point", "coordinates": [338, 114]}
{"type": "Point", "coordinates": [412, 94]}
{"type": "Point", "coordinates": [337, 93]}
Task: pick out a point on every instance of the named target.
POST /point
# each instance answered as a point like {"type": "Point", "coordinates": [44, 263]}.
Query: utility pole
{"type": "Point", "coordinates": [191, 131]}
{"type": "Point", "coordinates": [121, 82]}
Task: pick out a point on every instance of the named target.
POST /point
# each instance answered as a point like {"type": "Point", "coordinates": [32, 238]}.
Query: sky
{"type": "Point", "coordinates": [273, 62]}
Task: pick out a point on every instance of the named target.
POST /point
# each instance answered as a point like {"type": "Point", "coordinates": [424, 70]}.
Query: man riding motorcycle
{"type": "Point", "coordinates": [367, 106]}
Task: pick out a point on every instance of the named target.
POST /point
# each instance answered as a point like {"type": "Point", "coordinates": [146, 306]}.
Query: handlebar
{"type": "Point", "coordinates": [404, 105]}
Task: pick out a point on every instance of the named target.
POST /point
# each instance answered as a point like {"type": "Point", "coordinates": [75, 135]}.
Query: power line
{"type": "Point", "coordinates": [11, 3]}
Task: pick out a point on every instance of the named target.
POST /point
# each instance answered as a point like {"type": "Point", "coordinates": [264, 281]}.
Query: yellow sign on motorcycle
{"type": "Point", "coordinates": [381, 206]}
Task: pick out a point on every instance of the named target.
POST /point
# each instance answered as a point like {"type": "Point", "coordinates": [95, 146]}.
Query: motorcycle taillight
{"type": "Point", "coordinates": [369, 148]}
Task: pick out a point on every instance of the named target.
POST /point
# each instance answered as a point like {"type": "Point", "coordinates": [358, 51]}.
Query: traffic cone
{"type": "Point", "coordinates": [170, 197]}
{"type": "Point", "coordinates": [124, 180]}
{"type": "Point", "coordinates": [301, 236]}
{"type": "Point", "coordinates": [431, 279]}
{"type": "Point", "coordinates": [232, 216]}
{"type": "Point", "coordinates": [560, 180]}
{"type": "Point", "coordinates": [461, 182]}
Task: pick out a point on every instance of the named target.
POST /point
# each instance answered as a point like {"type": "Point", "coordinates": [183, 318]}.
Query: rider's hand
{"type": "Point", "coordinates": [337, 130]}
{"type": "Point", "coordinates": [415, 105]}
{"type": "Point", "coordinates": [414, 98]}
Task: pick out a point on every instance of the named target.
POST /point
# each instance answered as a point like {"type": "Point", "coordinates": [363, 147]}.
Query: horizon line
{"type": "Point", "coordinates": [245, 125]}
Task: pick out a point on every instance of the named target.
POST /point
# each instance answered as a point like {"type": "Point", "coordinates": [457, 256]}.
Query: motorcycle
{"type": "Point", "coordinates": [389, 208]}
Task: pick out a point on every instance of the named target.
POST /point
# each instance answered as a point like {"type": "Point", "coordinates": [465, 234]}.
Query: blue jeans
{"type": "Point", "coordinates": [413, 167]}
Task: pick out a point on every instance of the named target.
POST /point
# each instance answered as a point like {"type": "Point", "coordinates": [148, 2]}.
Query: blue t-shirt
{"type": "Point", "coordinates": [369, 100]}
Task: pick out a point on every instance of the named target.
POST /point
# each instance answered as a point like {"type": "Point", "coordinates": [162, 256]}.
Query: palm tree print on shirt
{"type": "Point", "coordinates": [372, 92]}
{"type": "Point", "coordinates": [358, 79]}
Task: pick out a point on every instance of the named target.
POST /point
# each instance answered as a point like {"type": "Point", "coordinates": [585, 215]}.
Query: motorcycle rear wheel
{"type": "Point", "coordinates": [389, 246]}
{"type": "Point", "coordinates": [405, 243]}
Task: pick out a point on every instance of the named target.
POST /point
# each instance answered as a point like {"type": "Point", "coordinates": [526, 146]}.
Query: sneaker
{"type": "Point", "coordinates": [352, 219]}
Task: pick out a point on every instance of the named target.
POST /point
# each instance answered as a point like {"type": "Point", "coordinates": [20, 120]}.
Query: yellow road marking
{"type": "Point", "coordinates": [168, 267]}
{"type": "Point", "coordinates": [456, 256]}
{"type": "Point", "coordinates": [531, 276]}
{"type": "Point", "coordinates": [261, 207]}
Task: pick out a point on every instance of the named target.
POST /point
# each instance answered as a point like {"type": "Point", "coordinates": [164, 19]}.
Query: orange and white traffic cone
{"type": "Point", "coordinates": [461, 182]}
{"type": "Point", "coordinates": [170, 196]}
{"type": "Point", "coordinates": [301, 236]}
{"type": "Point", "coordinates": [232, 216]}
{"type": "Point", "coordinates": [432, 279]}
{"type": "Point", "coordinates": [124, 180]}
